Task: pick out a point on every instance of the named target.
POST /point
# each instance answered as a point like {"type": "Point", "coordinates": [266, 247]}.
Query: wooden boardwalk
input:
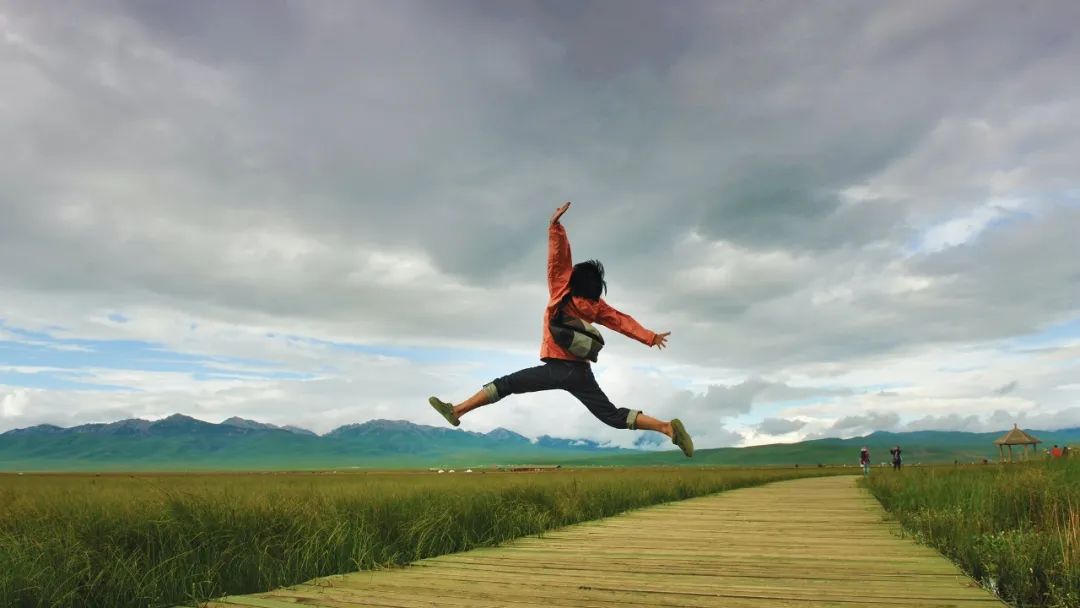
{"type": "Point", "coordinates": [809, 542]}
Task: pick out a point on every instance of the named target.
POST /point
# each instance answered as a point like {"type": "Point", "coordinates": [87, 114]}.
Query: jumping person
{"type": "Point", "coordinates": [569, 342]}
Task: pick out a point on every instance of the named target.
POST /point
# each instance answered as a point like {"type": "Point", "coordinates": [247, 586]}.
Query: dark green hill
{"type": "Point", "coordinates": [183, 443]}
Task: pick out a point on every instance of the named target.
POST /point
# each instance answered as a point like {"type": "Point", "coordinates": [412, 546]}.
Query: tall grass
{"type": "Point", "coordinates": [1015, 528]}
{"type": "Point", "coordinates": [163, 540]}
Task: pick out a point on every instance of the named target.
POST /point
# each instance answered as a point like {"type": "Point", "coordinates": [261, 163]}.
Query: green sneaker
{"type": "Point", "coordinates": [682, 438]}
{"type": "Point", "coordinates": [446, 409]}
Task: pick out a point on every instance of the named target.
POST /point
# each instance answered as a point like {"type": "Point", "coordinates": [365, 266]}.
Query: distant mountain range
{"type": "Point", "coordinates": [184, 443]}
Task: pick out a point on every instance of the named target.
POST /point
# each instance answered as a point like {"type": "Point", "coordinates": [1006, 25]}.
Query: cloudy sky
{"type": "Point", "coordinates": [850, 215]}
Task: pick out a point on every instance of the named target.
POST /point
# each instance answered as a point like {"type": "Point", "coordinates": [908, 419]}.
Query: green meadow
{"type": "Point", "coordinates": [122, 540]}
{"type": "Point", "coordinates": [1015, 528]}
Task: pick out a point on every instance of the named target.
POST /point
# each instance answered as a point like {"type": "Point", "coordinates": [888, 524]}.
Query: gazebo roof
{"type": "Point", "coordinates": [1016, 437]}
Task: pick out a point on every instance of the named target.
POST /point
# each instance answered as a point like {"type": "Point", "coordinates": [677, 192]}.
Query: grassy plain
{"type": "Point", "coordinates": [1015, 528]}
{"type": "Point", "coordinates": [158, 540]}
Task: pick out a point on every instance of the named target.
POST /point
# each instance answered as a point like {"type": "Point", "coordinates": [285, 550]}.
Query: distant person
{"type": "Point", "coordinates": [1064, 451]}
{"type": "Point", "coordinates": [896, 459]}
{"type": "Point", "coordinates": [864, 460]}
{"type": "Point", "coordinates": [569, 342]}
{"type": "Point", "coordinates": [1056, 451]}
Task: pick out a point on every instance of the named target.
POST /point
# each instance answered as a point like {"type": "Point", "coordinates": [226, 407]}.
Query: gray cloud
{"type": "Point", "coordinates": [713, 436]}
{"type": "Point", "coordinates": [866, 423]}
{"type": "Point", "coordinates": [948, 422]}
{"type": "Point", "coordinates": [779, 426]}
{"type": "Point", "coordinates": [651, 441]}
{"type": "Point", "coordinates": [734, 399]}
{"type": "Point", "coordinates": [999, 420]}
{"type": "Point", "coordinates": [722, 400]}
{"type": "Point", "coordinates": [761, 181]}
{"type": "Point", "coordinates": [720, 437]}
{"type": "Point", "coordinates": [1007, 388]}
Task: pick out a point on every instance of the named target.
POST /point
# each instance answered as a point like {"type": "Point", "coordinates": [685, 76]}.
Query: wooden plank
{"type": "Point", "coordinates": [495, 596]}
{"type": "Point", "coordinates": [254, 601]}
{"type": "Point", "coordinates": [692, 585]}
{"type": "Point", "coordinates": [812, 543]}
{"type": "Point", "coordinates": [650, 596]}
{"type": "Point", "coordinates": [718, 574]}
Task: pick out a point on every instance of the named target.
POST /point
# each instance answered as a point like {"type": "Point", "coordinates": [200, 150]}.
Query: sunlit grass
{"type": "Point", "coordinates": [1015, 528]}
{"type": "Point", "coordinates": [145, 540]}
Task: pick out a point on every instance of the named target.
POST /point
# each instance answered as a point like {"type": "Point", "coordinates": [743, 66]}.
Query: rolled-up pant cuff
{"type": "Point", "coordinates": [492, 392]}
{"type": "Point", "coordinates": [631, 419]}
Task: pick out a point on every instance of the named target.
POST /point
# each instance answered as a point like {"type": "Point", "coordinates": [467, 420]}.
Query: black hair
{"type": "Point", "coordinates": [587, 280]}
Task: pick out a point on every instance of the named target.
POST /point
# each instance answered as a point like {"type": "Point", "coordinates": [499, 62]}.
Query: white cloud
{"type": "Point", "coordinates": [13, 404]}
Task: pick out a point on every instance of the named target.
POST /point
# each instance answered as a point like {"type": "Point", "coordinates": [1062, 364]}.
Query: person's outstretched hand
{"type": "Point", "coordinates": [559, 212]}
{"type": "Point", "coordinates": [661, 340]}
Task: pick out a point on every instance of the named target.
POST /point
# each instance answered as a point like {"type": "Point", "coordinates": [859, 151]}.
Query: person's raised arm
{"type": "Point", "coordinates": [626, 325]}
{"type": "Point", "coordinates": [560, 264]}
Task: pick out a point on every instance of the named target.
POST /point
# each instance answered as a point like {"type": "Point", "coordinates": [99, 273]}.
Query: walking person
{"type": "Point", "coordinates": [864, 460]}
{"type": "Point", "coordinates": [570, 342]}
{"type": "Point", "coordinates": [896, 460]}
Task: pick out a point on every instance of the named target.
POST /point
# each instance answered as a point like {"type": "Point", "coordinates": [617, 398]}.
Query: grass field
{"type": "Point", "coordinates": [1015, 528]}
{"type": "Point", "coordinates": [159, 540]}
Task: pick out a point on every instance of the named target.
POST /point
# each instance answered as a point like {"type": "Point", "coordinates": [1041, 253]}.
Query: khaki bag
{"type": "Point", "coordinates": [578, 337]}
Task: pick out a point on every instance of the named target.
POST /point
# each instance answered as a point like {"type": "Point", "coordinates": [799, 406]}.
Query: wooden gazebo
{"type": "Point", "coordinates": [1016, 437]}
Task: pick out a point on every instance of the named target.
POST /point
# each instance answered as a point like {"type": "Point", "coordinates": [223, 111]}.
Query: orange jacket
{"type": "Point", "coordinates": [559, 269]}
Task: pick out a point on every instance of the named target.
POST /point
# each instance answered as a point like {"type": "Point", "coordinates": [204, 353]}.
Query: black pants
{"type": "Point", "coordinates": [573, 377]}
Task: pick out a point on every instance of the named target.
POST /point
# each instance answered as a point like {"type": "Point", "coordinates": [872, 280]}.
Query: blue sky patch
{"type": "Point", "coordinates": [68, 355]}
{"type": "Point", "coordinates": [42, 349]}
{"type": "Point", "coordinates": [56, 380]}
{"type": "Point", "coordinates": [1052, 336]}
